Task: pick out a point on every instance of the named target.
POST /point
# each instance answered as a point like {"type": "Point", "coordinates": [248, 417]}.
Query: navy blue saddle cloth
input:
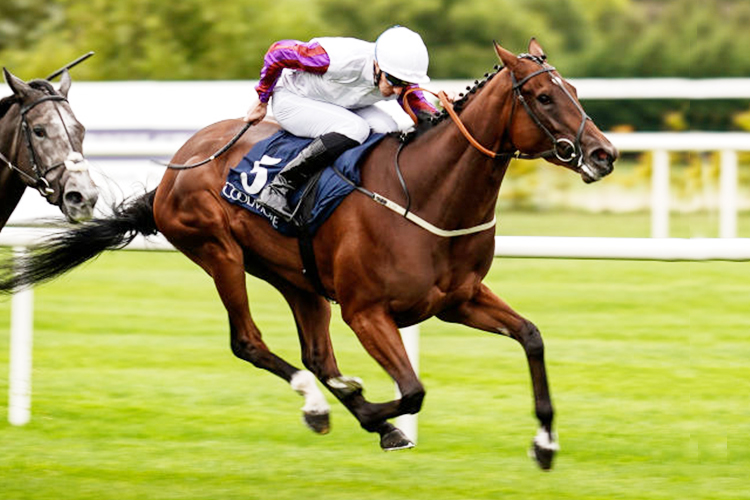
{"type": "Point", "coordinates": [269, 156]}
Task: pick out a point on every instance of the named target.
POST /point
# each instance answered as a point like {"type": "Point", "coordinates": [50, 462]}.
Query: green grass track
{"type": "Point", "coordinates": [136, 394]}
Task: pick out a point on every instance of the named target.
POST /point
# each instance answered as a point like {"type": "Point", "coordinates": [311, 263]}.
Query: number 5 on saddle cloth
{"type": "Point", "coordinates": [327, 188]}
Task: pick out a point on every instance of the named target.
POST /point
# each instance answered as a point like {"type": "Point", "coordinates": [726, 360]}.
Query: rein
{"type": "Point", "coordinates": [573, 147]}
{"type": "Point", "coordinates": [448, 106]}
{"type": "Point", "coordinates": [33, 180]}
{"type": "Point", "coordinates": [220, 152]}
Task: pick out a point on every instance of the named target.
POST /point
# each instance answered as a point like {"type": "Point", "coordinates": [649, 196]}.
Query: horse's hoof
{"type": "Point", "coordinates": [318, 422]}
{"type": "Point", "coordinates": [543, 448]}
{"type": "Point", "coordinates": [395, 440]}
{"type": "Point", "coordinates": [543, 456]}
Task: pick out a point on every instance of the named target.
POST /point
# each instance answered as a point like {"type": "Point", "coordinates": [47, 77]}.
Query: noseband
{"type": "Point", "coordinates": [38, 180]}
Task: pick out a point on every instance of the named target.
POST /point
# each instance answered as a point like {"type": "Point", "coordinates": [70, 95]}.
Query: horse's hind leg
{"type": "Point", "coordinates": [312, 315]}
{"type": "Point", "coordinates": [227, 269]}
{"type": "Point", "coordinates": [486, 311]}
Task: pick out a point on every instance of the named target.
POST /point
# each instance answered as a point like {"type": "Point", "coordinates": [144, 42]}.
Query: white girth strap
{"type": "Point", "coordinates": [445, 233]}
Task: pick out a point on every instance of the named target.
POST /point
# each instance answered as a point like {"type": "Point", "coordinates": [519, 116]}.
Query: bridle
{"type": "Point", "coordinates": [565, 150]}
{"type": "Point", "coordinates": [39, 178]}
{"type": "Point", "coordinates": [574, 151]}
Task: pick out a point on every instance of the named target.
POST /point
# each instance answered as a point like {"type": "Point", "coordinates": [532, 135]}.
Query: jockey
{"type": "Point", "coordinates": [326, 89]}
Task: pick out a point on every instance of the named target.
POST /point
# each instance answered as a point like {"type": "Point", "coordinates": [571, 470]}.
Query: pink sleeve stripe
{"type": "Point", "coordinates": [291, 54]}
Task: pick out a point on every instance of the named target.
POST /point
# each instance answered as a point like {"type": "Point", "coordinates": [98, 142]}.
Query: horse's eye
{"type": "Point", "coordinates": [39, 131]}
{"type": "Point", "coordinates": [544, 99]}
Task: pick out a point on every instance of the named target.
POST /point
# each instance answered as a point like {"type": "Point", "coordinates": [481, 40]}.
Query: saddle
{"type": "Point", "coordinates": [315, 201]}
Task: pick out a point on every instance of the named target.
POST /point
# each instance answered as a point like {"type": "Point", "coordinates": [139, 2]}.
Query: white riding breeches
{"type": "Point", "coordinates": [307, 117]}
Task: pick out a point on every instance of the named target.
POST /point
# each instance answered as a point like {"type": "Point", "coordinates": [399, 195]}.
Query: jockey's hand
{"type": "Point", "coordinates": [256, 113]}
{"type": "Point", "coordinates": [425, 116]}
{"type": "Point", "coordinates": [451, 95]}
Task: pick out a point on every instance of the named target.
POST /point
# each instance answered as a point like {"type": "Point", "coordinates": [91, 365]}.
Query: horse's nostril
{"type": "Point", "coordinates": [603, 157]}
{"type": "Point", "coordinates": [73, 198]}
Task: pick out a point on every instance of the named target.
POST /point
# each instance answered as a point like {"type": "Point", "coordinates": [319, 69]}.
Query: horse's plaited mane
{"type": "Point", "coordinates": [458, 105]}
{"type": "Point", "coordinates": [43, 85]}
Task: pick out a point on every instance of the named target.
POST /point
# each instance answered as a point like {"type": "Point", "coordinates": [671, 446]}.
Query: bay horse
{"type": "Point", "coordinates": [41, 145]}
{"type": "Point", "coordinates": [385, 271]}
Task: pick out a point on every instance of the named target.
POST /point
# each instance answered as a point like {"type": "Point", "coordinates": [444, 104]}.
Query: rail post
{"type": "Point", "coordinates": [660, 194]}
{"type": "Point", "coordinates": [21, 339]}
{"type": "Point", "coordinates": [728, 200]}
{"type": "Point", "coordinates": [410, 336]}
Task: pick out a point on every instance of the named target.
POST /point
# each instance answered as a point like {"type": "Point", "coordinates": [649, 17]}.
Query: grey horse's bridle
{"type": "Point", "coordinates": [39, 178]}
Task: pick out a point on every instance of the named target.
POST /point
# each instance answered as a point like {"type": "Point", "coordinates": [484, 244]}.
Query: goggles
{"type": "Point", "coordinates": [396, 82]}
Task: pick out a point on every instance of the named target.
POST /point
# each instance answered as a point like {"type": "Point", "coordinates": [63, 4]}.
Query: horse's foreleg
{"type": "Point", "coordinates": [486, 311]}
{"type": "Point", "coordinates": [12, 188]}
{"type": "Point", "coordinates": [379, 335]}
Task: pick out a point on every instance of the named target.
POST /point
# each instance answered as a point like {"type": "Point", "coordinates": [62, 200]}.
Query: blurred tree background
{"type": "Point", "coordinates": [226, 39]}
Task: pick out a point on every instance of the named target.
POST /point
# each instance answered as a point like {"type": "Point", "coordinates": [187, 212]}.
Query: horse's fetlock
{"type": "Point", "coordinates": [344, 387]}
{"type": "Point", "coordinates": [545, 413]}
{"type": "Point", "coordinates": [412, 401]}
{"type": "Point", "coordinates": [244, 349]}
{"type": "Point", "coordinates": [238, 348]}
{"type": "Point", "coordinates": [532, 341]}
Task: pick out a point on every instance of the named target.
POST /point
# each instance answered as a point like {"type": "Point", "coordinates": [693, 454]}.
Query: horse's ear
{"type": "Point", "coordinates": [508, 58]}
{"type": "Point", "coordinates": [65, 82]}
{"type": "Point", "coordinates": [535, 49]}
{"type": "Point", "coordinates": [18, 86]}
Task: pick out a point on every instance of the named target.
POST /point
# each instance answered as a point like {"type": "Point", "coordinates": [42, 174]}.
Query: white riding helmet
{"type": "Point", "coordinates": [401, 52]}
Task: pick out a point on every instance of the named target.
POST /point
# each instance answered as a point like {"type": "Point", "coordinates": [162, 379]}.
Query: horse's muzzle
{"type": "Point", "coordinates": [79, 196]}
{"type": "Point", "coordinates": [598, 164]}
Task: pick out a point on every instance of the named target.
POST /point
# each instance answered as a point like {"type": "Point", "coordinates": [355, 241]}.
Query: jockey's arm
{"type": "Point", "coordinates": [290, 54]}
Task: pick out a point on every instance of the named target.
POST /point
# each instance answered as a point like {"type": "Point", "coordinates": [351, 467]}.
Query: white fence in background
{"type": "Point", "coordinates": [661, 144]}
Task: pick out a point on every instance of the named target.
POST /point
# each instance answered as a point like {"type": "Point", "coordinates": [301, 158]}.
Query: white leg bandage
{"type": "Point", "coordinates": [304, 383]}
{"type": "Point", "coordinates": [543, 440]}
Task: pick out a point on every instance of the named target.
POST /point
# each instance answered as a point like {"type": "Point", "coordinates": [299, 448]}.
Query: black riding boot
{"type": "Point", "coordinates": [318, 154]}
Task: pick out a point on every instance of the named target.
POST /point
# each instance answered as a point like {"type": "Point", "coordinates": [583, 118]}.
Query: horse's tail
{"type": "Point", "coordinates": [68, 249]}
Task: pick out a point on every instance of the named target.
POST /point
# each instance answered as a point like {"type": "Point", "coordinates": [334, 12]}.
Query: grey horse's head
{"type": "Point", "coordinates": [49, 142]}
